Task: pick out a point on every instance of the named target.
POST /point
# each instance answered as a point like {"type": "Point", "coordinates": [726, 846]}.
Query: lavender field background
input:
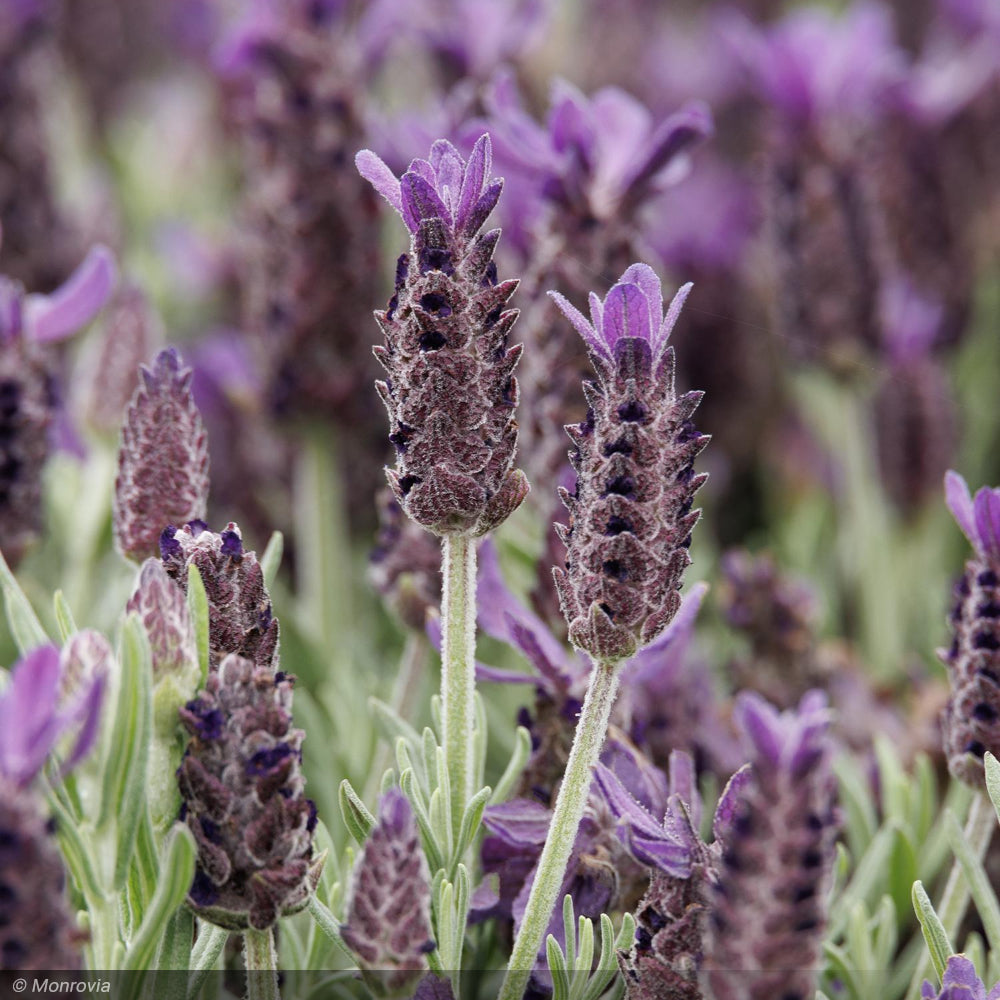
{"type": "Point", "coordinates": [364, 368]}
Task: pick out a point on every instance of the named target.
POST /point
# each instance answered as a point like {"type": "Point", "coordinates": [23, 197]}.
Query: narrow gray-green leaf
{"type": "Point", "coordinates": [207, 949]}
{"type": "Point", "coordinates": [176, 876]}
{"type": "Point", "coordinates": [557, 968]}
{"type": "Point", "coordinates": [270, 561]}
{"type": "Point", "coordinates": [934, 933]}
{"type": "Point", "coordinates": [64, 616]}
{"type": "Point", "coordinates": [359, 821]}
{"type": "Point", "coordinates": [197, 600]}
{"type": "Point", "coordinates": [522, 751]}
{"type": "Point", "coordinates": [24, 624]}
{"type": "Point", "coordinates": [123, 798]}
{"type": "Point", "coordinates": [979, 882]}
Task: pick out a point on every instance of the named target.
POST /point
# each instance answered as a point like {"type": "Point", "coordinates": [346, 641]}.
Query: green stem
{"type": "Point", "coordinates": [262, 965]}
{"type": "Point", "coordinates": [458, 668]}
{"type": "Point", "coordinates": [570, 804]}
{"type": "Point", "coordinates": [979, 829]}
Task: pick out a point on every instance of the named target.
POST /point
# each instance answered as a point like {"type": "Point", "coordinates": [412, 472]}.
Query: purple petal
{"type": "Point", "coordinates": [987, 511]}
{"type": "Point", "coordinates": [760, 722]}
{"type": "Point", "coordinates": [480, 211]}
{"type": "Point", "coordinates": [624, 806]}
{"type": "Point", "coordinates": [421, 201]}
{"type": "Point", "coordinates": [76, 302]}
{"type": "Point", "coordinates": [569, 123]}
{"type": "Point", "coordinates": [729, 802]}
{"type": "Point", "coordinates": [374, 170]}
{"type": "Point", "coordinates": [29, 723]}
{"type": "Point", "coordinates": [959, 501]}
{"type": "Point", "coordinates": [89, 711]}
{"type": "Point", "coordinates": [960, 972]}
{"type": "Point", "coordinates": [626, 314]}
{"type": "Point", "coordinates": [673, 312]}
{"type": "Point", "coordinates": [684, 783]}
{"type": "Point", "coordinates": [648, 282]}
{"type": "Point", "coordinates": [591, 337]}
{"type": "Point", "coordinates": [675, 135]}
{"type": "Point", "coordinates": [476, 173]}
{"type": "Point", "coordinates": [519, 822]}
{"type": "Point", "coordinates": [494, 675]}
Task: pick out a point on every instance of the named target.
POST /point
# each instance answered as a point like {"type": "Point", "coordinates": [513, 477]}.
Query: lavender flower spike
{"type": "Point", "coordinates": [389, 906]}
{"type": "Point", "coordinates": [244, 800]}
{"type": "Point", "coordinates": [769, 905]}
{"type": "Point", "coordinates": [451, 391]}
{"type": "Point", "coordinates": [971, 719]}
{"type": "Point", "coordinates": [630, 516]}
{"type": "Point", "coordinates": [960, 982]}
{"type": "Point", "coordinates": [240, 619]}
{"type": "Point", "coordinates": [163, 459]}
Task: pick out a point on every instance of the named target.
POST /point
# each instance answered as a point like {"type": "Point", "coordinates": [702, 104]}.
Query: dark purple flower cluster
{"type": "Point", "coordinates": [971, 721]}
{"type": "Point", "coordinates": [630, 514]}
{"type": "Point", "coordinates": [240, 619]}
{"type": "Point", "coordinates": [162, 461]}
{"type": "Point", "coordinates": [451, 391]}
{"type": "Point", "coordinates": [243, 799]}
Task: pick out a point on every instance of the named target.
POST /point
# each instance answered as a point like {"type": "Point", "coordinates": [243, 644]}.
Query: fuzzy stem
{"type": "Point", "coordinates": [570, 804]}
{"type": "Point", "coordinates": [262, 965]}
{"type": "Point", "coordinates": [458, 667]}
{"type": "Point", "coordinates": [979, 829]}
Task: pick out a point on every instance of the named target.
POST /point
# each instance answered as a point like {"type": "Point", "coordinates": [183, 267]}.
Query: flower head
{"type": "Point", "coordinates": [459, 194]}
{"type": "Point", "coordinates": [240, 618]}
{"type": "Point", "coordinates": [162, 461]}
{"type": "Point", "coordinates": [769, 905]}
{"type": "Point", "coordinates": [451, 391]}
{"type": "Point", "coordinates": [971, 719]}
{"type": "Point", "coordinates": [37, 713]}
{"type": "Point", "coordinates": [388, 922]}
{"type": "Point", "coordinates": [244, 800]}
{"type": "Point", "coordinates": [29, 322]}
{"type": "Point", "coordinates": [630, 515]}
{"type": "Point", "coordinates": [596, 156]}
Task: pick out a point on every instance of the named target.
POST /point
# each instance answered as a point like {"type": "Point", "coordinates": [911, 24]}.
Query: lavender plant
{"type": "Point", "coordinates": [630, 524]}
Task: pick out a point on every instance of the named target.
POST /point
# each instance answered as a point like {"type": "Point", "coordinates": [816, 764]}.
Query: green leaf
{"type": "Point", "coordinates": [569, 931]}
{"type": "Point", "coordinates": [993, 780]}
{"type": "Point", "coordinates": [123, 797]}
{"type": "Point", "coordinates": [886, 937]}
{"type": "Point", "coordinates": [869, 877]}
{"type": "Point", "coordinates": [856, 801]}
{"type": "Point", "coordinates": [470, 821]}
{"type": "Point", "coordinates": [197, 600]}
{"type": "Point", "coordinates": [557, 967]}
{"type": "Point", "coordinates": [358, 820]}
{"type": "Point", "coordinates": [329, 925]}
{"type": "Point", "coordinates": [176, 876]}
{"type": "Point", "coordinates": [979, 882]}
{"type": "Point", "coordinates": [432, 849]}
{"type": "Point", "coordinates": [205, 954]}
{"type": "Point", "coordinates": [24, 624]}
{"type": "Point", "coordinates": [902, 870]}
{"type": "Point", "coordinates": [522, 751]}
{"type": "Point", "coordinates": [934, 933]}
{"type": "Point", "coordinates": [64, 616]}
{"type": "Point", "coordinates": [270, 561]}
